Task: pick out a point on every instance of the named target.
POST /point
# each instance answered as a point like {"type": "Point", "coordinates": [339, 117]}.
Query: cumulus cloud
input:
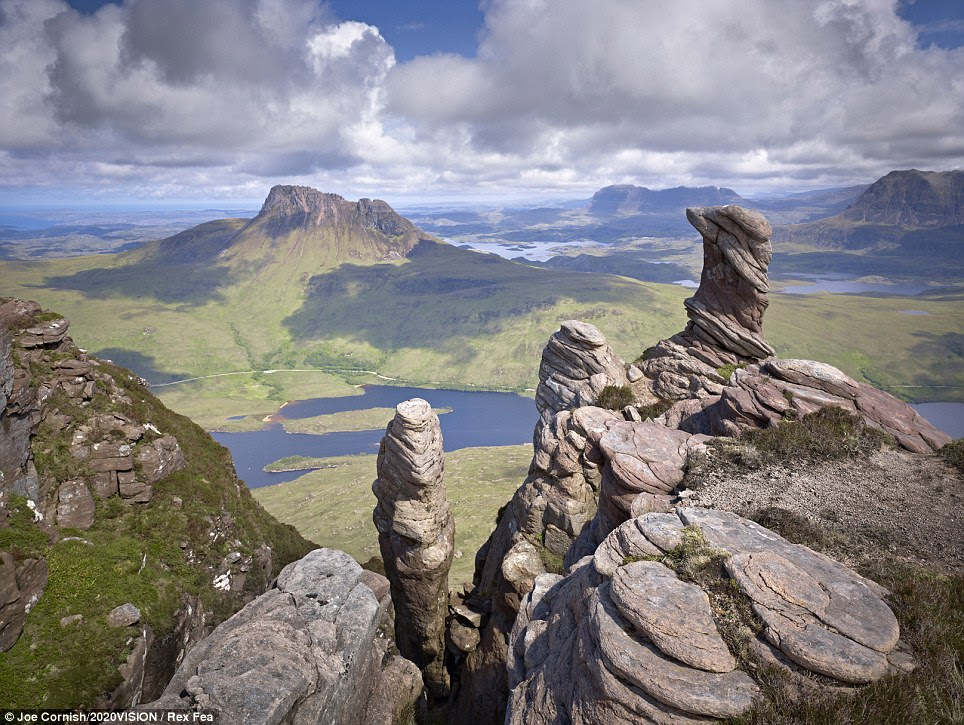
{"type": "Point", "coordinates": [231, 95]}
{"type": "Point", "coordinates": [790, 88]}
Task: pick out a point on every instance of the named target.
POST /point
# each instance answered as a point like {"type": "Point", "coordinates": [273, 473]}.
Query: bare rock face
{"type": "Point", "coordinates": [577, 363]}
{"type": "Point", "coordinates": [21, 585]}
{"type": "Point", "coordinates": [625, 641]}
{"type": "Point", "coordinates": [726, 313]}
{"type": "Point", "coordinates": [763, 395]}
{"type": "Point", "coordinates": [75, 506]}
{"type": "Point", "coordinates": [416, 535]}
{"type": "Point", "coordinates": [307, 651]}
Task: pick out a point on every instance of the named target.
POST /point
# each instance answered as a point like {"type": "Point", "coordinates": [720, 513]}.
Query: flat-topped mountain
{"type": "Point", "coordinates": [626, 199]}
{"type": "Point", "coordinates": [296, 220]}
{"type": "Point", "coordinates": [911, 198]}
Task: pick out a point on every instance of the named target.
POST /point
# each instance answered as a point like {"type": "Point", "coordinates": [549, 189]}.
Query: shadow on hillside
{"type": "Point", "coordinates": [186, 283]}
{"type": "Point", "coordinates": [439, 295]}
{"type": "Point", "coordinates": [138, 363]}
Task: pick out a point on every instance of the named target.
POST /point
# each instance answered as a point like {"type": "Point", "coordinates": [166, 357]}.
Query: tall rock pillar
{"type": "Point", "coordinates": [416, 535]}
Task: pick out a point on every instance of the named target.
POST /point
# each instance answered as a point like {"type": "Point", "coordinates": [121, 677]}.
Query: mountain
{"type": "Point", "coordinates": [912, 199]}
{"type": "Point", "coordinates": [295, 222]}
{"type": "Point", "coordinates": [125, 534]}
{"type": "Point", "coordinates": [626, 199]}
{"type": "Point", "coordinates": [907, 222]}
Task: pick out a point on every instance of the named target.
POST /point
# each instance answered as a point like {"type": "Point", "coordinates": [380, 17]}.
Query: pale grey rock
{"type": "Point", "coordinates": [75, 506]}
{"type": "Point", "coordinates": [416, 536]}
{"type": "Point", "coordinates": [305, 652]}
{"type": "Point", "coordinates": [124, 615]}
{"type": "Point", "coordinates": [673, 614]}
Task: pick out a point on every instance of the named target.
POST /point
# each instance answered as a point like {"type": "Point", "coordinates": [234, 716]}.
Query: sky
{"type": "Point", "coordinates": [161, 101]}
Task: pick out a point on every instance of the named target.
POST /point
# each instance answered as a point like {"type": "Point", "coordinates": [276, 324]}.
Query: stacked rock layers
{"type": "Point", "coordinates": [416, 535]}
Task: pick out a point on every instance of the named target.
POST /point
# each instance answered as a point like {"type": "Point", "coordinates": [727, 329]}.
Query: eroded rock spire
{"type": "Point", "coordinates": [416, 535]}
{"type": "Point", "coordinates": [726, 313]}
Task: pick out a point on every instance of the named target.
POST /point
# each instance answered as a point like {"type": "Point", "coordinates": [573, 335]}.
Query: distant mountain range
{"type": "Point", "coordinates": [626, 199]}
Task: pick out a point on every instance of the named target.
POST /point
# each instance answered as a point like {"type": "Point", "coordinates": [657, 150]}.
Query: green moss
{"type": "Point", "coordinates": [20, 537]}
{"type": "Point", "coordinates": [146, 554]}
{"type": "Point", "coordinates": [726, 371]}
{"type": "Point", "coordinates": [615, 397]}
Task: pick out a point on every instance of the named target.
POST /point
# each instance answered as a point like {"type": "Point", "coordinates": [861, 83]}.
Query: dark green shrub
{"type": "Point", "coordinates": [615, 397]}
{"type": "Point", "coordinates": [953, 454]}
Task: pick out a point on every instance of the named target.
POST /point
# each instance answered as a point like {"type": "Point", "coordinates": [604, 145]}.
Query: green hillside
{"type": "Point", "coordinates": [329, 296]}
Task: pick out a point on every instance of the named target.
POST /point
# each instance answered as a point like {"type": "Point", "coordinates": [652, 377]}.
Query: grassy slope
{"type": "Point", "coordinates": [134, 555]}
{"type": "Point", "coordinates": [333, 506]}
{"type": "Point", "coordinates": [444, 317]}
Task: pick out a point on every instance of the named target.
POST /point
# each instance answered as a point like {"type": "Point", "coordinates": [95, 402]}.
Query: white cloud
{"type": "Point", "coordinates": [562, 95]}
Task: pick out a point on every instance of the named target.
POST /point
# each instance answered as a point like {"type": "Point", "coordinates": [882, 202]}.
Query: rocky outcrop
{"type": "Point", "coordinates": [21, 585]}
{"type": "Point", "coordinates": [553, 506]}
{"type": "Point", "coordinates": [766, 394]}
{"type": "Point", "coordinates": [623, 639]}
{"type": "Point", "coordinates": [84, 447]}
{"type": "Point", "coordinates": [416, 536]}
{"type": "Point", "coordinates": [726, 313]}
{"type": "Point", "coordinates": [310, 650]}
{"type": "Point", "coordinates": [577, 363]}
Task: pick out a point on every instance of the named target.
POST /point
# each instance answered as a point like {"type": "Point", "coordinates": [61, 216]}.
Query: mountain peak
{"type": "Point", "coordinates": [911, 198]}
{"type": "Point", "coordinates": [290, 207]}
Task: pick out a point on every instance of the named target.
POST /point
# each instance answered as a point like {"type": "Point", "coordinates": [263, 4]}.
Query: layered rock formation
{"type": "Point", "coordinates": [594, 469]}
{"type": "Point", "coordinates": [310, 650]}
{"type": "Point", "coordinates": [623, 639]}
{"type": "Point", "coordinates": [416, 535]}
{"type": "Point", "coordinates": [554, 504]}
{"type": "Point", "coordinates": [726, 313]}
{"type": "Point", "coordinates": [766, 394]}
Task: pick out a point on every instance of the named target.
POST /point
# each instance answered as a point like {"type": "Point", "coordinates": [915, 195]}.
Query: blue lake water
{"type": "Point", "coordinates": [845, 284]}
{"type": "Point", "coordinates": [477, 419]}
{"type": "Point", "coordinates": [949, 417]}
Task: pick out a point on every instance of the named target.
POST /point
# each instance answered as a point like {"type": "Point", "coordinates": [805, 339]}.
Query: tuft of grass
{"type": "Point", "coordinates": [825, 435]}
{"type": "Point", "coordinates": [726, 371]}
{"type": "Point", "coordinates": [654, 410]}
{"type": "Point", "coordinates": [552, 561]}
{"type": "Point", "coordinates": [953, 454]}
{"type": "Point", "coordinates": [615, 397]}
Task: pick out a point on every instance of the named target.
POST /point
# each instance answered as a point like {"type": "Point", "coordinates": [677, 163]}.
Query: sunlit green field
{"type": "Point", "coordinates": [333, 506]}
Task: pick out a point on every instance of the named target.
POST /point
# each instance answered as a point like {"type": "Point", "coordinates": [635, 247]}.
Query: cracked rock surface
{"type": "Point", "coordinates": [307, 651]}
{"type": "Point", "coordinates": [623, 640]}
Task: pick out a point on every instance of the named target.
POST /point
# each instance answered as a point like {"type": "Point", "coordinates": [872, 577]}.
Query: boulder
{"type": "Point", "coordinates": [306, 651]}
{"type": "Point", "coordinates": [75, 506]}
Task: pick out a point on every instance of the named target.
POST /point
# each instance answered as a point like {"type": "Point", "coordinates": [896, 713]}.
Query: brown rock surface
{"type": "Point", "coordinates": [726, 312]}
{"type": "Point", "coordinates": [416, 536]}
